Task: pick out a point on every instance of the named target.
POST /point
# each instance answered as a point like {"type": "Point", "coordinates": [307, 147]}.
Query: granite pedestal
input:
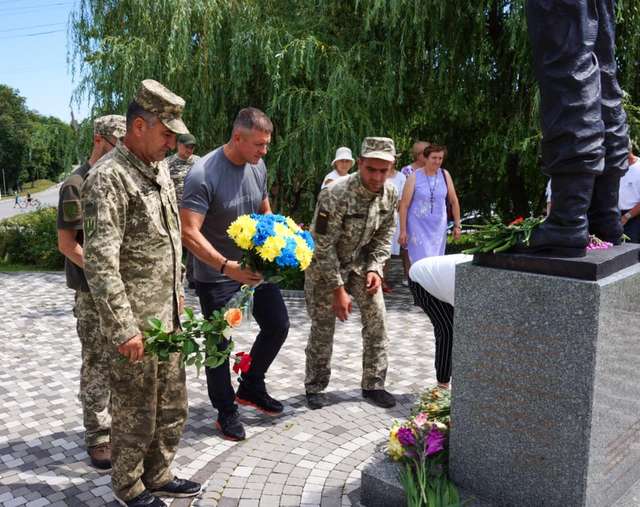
{"type": "Point", "coordinates": [546, 387]}
{"type": "Point", "coordinates": [381, 486]}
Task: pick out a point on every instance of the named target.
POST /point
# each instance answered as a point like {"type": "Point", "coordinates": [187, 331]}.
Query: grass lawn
{"type": "Point", "coordinates": [38, 186]}
{"type": "Point", "coordinates": [18, 268]}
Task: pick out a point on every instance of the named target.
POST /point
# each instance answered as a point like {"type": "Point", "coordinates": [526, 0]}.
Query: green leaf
{"type": "Point", "coordinates": [214, 362]}
{"type": "Point", "coordinates": [156, 324]}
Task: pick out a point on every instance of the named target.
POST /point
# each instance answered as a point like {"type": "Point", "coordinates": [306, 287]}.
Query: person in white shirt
{"type": "Point", "coordinates": [433, 291]}
{"type": "Point", "coordinates": [629, 198]}
{"type": "Point", "coordinates": [342, 163]}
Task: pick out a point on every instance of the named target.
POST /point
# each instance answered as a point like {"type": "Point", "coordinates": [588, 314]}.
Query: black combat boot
{"type": "Point", "coordinates": [604, 214]}
{"type": "Point", "coordinates": [565, 232]}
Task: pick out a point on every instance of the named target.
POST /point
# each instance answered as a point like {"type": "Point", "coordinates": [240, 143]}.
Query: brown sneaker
{"type": "Point", "coordinates": [100, 456]}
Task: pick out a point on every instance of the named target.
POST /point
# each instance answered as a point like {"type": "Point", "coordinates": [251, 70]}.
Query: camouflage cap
{"type": "Point", "coordinates": [158, 99]}
{"type": "Point", "coordinates": [378, 147]}
{"type": "Point", "coordinates": [110, 125]}
{"type": "Point", "coordinates": [188, 139]}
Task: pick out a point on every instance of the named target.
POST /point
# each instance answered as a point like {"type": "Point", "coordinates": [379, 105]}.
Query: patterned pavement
{"type": "Point", "coordinates": [302, 457]}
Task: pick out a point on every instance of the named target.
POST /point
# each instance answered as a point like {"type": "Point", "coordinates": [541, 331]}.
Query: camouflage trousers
{"type": "Point", "coordinates": [95, 394]}
{"type": "Point", "coordinates": [319, 299]}
{"type": "Point", "coordinates": [149, 410]}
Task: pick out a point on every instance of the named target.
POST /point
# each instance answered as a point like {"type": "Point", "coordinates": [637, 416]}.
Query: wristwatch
{"type": "Point", "coordinates": [628, 216]}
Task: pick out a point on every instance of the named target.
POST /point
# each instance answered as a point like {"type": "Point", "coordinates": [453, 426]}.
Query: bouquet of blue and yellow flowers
{"type": "Point", "coordinates": [272, 244]}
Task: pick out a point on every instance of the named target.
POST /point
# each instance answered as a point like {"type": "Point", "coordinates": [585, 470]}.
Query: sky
{"type": "Point", "coordinates": [33, 54]}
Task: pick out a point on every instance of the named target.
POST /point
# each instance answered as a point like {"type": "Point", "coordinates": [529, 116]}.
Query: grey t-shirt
{"type": "Point", "coordinates": [222, 191]}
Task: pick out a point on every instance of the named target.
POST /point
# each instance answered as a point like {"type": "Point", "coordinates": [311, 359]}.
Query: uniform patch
{"type": "Point", "coordinates": [89, 223]}
{"type": "Point", "coordinates": [322, 222]}
{"type": "Point", "coordinates": [71, 211]}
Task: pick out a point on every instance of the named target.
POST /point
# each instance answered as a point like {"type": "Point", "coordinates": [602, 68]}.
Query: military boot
{"type": "Point", "coordinates": [604, 214]}
{"type": "Point", "coordinates": [565, 232]}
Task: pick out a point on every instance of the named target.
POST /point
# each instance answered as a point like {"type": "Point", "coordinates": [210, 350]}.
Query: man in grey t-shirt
{"type": "Point", "coordinates": [224, 184]}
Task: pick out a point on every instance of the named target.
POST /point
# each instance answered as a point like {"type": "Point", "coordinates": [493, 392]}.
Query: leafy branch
{"type": "Point", "coordinates": [197, 343]}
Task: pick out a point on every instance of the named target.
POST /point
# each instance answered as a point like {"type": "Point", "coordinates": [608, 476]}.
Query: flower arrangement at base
{"type": "Point", "coordinates": [200, 339]}
{"type": "Point", "coordinates": [496, 237]}
{"type": "Point", "coordinates": [272, 244]}
{"type": "Point", "coordinates": [421, 445]}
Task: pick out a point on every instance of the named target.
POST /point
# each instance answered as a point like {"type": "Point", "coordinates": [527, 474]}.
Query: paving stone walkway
{"type": "Point", "coordinates": [302, 457]}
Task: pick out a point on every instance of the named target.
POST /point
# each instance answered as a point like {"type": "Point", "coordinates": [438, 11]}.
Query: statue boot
{"type": "Point", "coordinates": [604, 214]}
{"type": "Point", "coordinates": [565, 232]}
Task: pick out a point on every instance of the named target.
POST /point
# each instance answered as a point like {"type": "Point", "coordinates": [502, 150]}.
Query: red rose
{"type": "Point", "coordinates": [242, 363]}
{"type": "Point", "coordinates": [517, 221]}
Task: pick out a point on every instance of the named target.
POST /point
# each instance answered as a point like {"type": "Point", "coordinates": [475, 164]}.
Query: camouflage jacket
{"type": "Point", "coordinates": [178, 170]}
{"type": "Point", "coordinates": [132, 247]}
{"type": "Point", "coordinates": [352, 228]}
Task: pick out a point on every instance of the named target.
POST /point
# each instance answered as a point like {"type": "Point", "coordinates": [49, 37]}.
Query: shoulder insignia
{"type": "Point", "coordinates": [89, 224]}
{"type": "Point", "coordinates": [71, 211]}
{"type": "Point", "coordinates": [322, 222]}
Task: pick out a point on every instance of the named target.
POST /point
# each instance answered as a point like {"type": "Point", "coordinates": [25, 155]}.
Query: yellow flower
{"type": "Point", "coordinates": [292, 225]}
{"type": "Point", "coordinates": [303, 253]}
{"type": "Point", "coordinates": [242, 230]}
{"type": "Point", "coordinates": [282, 230]}
{"type": "Point", "coordinates": [271, 248]}
{"type": "Point", "coordinates": [394, 447]}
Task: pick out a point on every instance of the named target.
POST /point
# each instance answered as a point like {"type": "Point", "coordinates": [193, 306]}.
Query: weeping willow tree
{"type": "Point", "coordinates": [330, 72]}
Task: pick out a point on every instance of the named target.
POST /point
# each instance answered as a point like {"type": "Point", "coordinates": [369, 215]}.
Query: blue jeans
{"type": "Point", "coordinates": [271, 315]}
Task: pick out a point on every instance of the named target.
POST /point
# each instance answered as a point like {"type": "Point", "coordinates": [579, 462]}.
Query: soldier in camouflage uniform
{"type": "Point", "coordinates": [353, 226]}
{"type": "Point", "coordinates": [94, 372]}
{"type": "Point", "coordinates": [133, 266]}
{"type": "Point", "coordinates": [179, 165]}
{"type": "Point", "coordinates": [180, 162]}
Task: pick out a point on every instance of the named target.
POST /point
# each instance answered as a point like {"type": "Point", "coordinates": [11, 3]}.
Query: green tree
{"type": "Point", "coordinates": [50, 149]}
{"type": "Point", "coordinates": [14, 131]}
{"type": "Point", "coordinates": [328, 73]}
{"type": "Point", "coordinates": [32, 146]}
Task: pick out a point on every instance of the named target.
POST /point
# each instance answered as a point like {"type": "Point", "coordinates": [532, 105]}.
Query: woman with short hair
{"type": "Point", "coordinates": [423, 207]}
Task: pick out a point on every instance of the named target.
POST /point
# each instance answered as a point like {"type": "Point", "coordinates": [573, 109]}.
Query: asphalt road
{"type": "Point", "coordinates": [47, 197]}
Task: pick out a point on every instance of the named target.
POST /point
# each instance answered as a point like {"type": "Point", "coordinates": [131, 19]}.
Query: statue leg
{"type": "Point", "coordinates": [563, 34]}
{"type": "Point", "coordinates": [604, 214]}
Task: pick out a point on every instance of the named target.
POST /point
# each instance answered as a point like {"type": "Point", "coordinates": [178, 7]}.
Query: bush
{"type": "Point", "coordinates": [31, 239]}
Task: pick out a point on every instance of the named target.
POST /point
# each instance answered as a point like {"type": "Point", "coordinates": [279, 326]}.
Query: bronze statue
{"type": "Point", "coordinates": [585, 140]}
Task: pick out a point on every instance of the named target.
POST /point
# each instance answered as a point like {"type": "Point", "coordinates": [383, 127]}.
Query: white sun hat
{"type": "Point", "coordinates": [343, 153]}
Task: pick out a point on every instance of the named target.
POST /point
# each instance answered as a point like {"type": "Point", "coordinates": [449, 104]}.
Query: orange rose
{"type": "Point", "coordinates": [233, 316]}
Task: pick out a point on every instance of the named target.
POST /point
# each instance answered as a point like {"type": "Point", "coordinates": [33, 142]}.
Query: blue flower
{"type": "Point", "coordinates": [287, 257]}
{"type": "Point", "coordinates": [306, 235]}
{"type": "Point", "coordinates": [264, 228]}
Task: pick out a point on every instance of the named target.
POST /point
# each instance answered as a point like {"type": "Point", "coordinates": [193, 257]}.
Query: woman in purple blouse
{"type": "Point", "coordinates": [423, 207]}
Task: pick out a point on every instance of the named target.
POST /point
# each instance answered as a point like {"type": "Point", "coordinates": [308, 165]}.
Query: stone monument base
{"type": "Point", "coordinates": [546, 387]}
{"type": "Point", "coordinates": [380, 486]}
